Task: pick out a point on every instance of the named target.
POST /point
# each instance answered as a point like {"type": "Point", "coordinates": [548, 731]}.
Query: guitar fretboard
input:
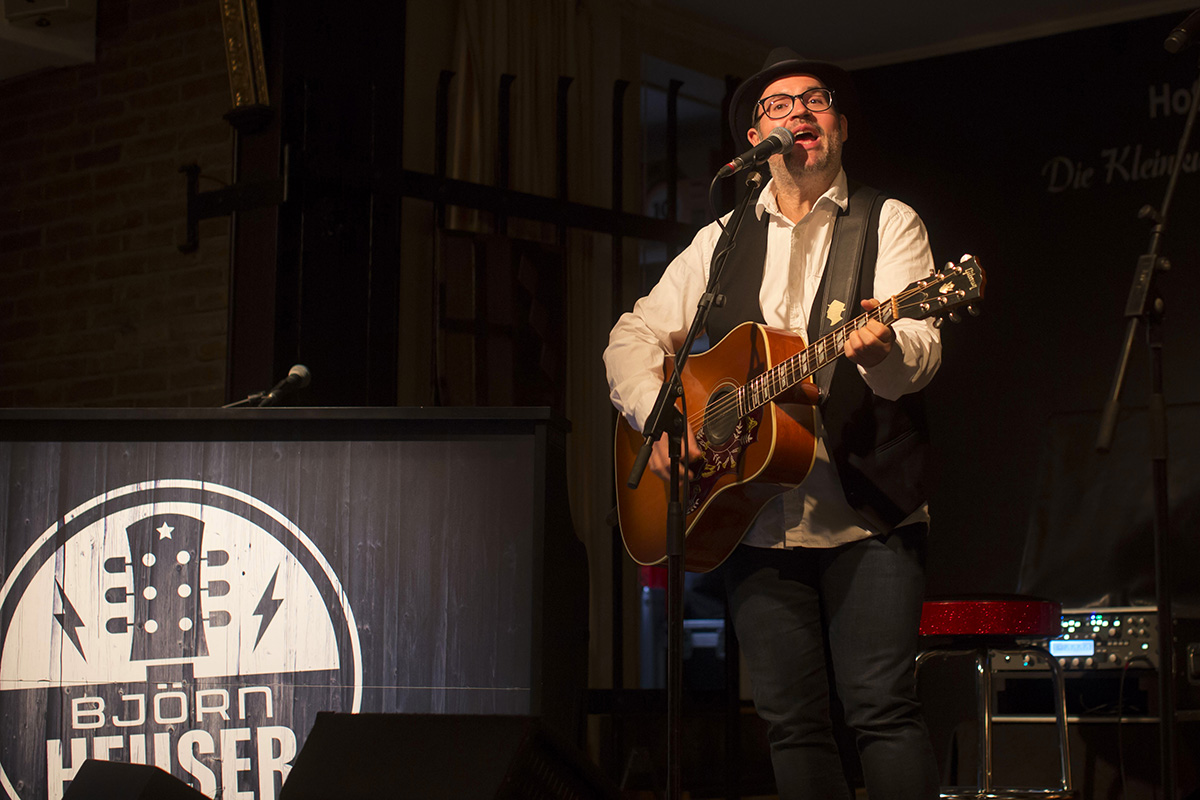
{"type": "Point", "coordinates": [764, 388]}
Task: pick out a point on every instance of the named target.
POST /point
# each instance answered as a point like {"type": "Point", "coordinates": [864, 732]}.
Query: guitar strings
{"type": "Point", "coordinates": [731, 402]}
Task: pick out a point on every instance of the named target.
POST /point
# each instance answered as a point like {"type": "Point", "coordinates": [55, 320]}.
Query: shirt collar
{"type": "Point", "coordinates": [838, 193]}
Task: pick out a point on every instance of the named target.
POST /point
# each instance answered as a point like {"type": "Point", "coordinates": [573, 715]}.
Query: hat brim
{"type": "Point", "coordinates": [747, 95]}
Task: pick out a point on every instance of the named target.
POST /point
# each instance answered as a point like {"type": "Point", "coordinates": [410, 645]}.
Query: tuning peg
{"type": "Point", "coordinates": [938, 322]}
{"type": "Point", "coordinates": [954, 317]}
{"type": "Point", "coordinates": [973, 310]}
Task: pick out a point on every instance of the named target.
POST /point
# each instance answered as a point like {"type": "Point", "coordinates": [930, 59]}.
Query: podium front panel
{"type": "Point", "coordinates": [189, 589]}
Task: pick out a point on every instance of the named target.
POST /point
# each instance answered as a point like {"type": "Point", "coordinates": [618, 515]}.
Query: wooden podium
{"type": "Point", "coordinates": [189, 588]}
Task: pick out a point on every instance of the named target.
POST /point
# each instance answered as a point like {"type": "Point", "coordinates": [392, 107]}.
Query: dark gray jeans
{"type": "Point", "coordinates": [855, 608]}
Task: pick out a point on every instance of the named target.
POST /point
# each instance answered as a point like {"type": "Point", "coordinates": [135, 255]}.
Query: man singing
{"type": "Point", "coordinates": [825, 588]}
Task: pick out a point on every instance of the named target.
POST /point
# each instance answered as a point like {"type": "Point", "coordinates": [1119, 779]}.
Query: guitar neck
{"type": "Point", "coordinates": [786, 374]}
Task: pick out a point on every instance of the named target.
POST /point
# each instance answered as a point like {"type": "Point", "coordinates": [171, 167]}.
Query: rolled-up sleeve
{"type": "Point", "coordinates": [904, 257]}
{"type": "Point", "coordinates": [656, 326]}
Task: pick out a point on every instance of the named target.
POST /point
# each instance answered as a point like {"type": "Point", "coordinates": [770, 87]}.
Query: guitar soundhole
{"type": "Point", "coordinates": [720, 417]}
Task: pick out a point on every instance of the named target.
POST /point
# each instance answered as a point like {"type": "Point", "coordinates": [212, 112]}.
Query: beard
{"type": "Point", "coordinates": [795, 166]}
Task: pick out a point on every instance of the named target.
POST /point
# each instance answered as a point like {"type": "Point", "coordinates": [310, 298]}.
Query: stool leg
{"type": "Point", "coordinates": [983, 682]}
{"type": "Point", "coordinates": [1060, 713]}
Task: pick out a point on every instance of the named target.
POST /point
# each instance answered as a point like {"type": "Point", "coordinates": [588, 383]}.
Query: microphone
{"type": "Point", "coordinates": [779, 140]}
{"type": "Point", "coordinates": [297, 378]}
{"type": "Point", "coordinates": [1183, 34]}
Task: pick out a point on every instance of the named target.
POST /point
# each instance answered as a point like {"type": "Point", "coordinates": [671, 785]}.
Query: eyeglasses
{"type": "Point", "coordinates": [778, 106]}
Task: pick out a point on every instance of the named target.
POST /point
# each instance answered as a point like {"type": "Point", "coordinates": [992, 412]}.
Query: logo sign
{"type": "Point", "coordinates": [177, 623]}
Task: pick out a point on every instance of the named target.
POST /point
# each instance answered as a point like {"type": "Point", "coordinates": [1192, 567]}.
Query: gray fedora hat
{"type": "Point", "coordinates": [780, 62]}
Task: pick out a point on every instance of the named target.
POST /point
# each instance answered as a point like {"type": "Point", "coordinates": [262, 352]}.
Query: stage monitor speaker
{"type": "Point", "coordinates": [114, 780]}
{"type": "Point", "coordinates": [439, 757]}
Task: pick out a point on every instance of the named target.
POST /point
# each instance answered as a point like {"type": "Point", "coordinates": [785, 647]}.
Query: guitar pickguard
{"type": "Point", "coordinates": [721, 459]}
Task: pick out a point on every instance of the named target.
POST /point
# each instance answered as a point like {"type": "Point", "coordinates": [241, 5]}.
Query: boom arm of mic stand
{"type": "Point", "coordinates": [252, 400]}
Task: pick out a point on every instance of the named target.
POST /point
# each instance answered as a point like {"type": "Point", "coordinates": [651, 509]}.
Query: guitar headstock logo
{"type": "Point", "coordinates": [177, 623]}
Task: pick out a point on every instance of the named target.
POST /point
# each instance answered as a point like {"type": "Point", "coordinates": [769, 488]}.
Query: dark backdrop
{"type": "Point", "coordinates": [1036, 158]}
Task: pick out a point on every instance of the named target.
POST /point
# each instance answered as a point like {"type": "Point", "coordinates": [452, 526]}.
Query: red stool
{"type": "Point", "coordinates": [1001, 625]}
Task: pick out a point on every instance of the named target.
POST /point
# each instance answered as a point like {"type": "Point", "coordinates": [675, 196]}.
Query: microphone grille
{"type": "Point", "coordinates": [785, 137]}
{"type": "Point", "coordinates": [301, 373]}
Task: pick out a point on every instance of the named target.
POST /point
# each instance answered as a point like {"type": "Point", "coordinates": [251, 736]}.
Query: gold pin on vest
{"type": "Point", "coordinates": [835, 312]}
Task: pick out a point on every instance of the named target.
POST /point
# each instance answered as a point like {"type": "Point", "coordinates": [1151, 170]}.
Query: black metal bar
{"type": "Point", "coordinates": [504, 142]}
{"type": "Point", "coordinates": [617, 638]}
{"type": "Point", "coordinates": [384, 239]}
{"type": "Point", "coordinates": [564, 83]}
{"type": "Point", "coordinates": [480, 310]}
{"type": "Point", "coordinates": [618, 196]}
{"type": "Point", "coordinates": [536, 207]}
{"type": "Point", "coordinates": [728, 143]}
{"type": "Point", "coordinates": [223, 202]}
{"type": "Point", "coordinates": [472, 327]}
{"type": "Point", "coordinates": [441, 137]}
{"type": "Point", "coordinates": [230, 322]}
{"type": "Point", "coordinates": [673, 153]}
{"type": "Point", "coordinates": [349, 176]}
{"type": "Point", "coordinates": [192, 241]}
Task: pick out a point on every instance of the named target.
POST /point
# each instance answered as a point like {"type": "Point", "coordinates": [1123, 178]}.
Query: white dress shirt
{"type": "Point", "coordinates": [815, 513]}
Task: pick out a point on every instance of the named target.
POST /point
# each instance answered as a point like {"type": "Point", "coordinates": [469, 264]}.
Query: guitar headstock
{"type": "Point", "coordinates": [955, 286]}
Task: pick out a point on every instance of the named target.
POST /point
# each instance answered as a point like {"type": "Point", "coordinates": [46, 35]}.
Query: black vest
{"type": "Point", "coordinates": [880, 447]}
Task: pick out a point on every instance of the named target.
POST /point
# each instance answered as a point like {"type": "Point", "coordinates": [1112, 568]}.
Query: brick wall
{"type": "Point", "coordinates": [97, 305]}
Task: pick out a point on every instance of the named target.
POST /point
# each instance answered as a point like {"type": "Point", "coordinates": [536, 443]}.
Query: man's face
{"type": "Point", "coordinates": [819, 134]}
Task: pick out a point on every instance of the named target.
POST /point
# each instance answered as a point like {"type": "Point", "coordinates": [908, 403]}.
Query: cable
{"type": "Point", "coordinates": [712, 206]}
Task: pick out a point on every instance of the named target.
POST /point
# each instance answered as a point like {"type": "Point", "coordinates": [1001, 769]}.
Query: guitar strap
{"type": "Point", "coordinates": [855, 243]}
{"type": "Point", "coordinates": [851, 246]}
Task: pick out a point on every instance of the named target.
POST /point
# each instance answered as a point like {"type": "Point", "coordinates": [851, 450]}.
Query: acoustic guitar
{"type": "Point", "coordinates": [750, 403]}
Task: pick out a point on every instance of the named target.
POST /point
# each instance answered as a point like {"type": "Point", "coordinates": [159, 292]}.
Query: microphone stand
{"type": "Point", "coordinates": [252, 400]}
{"type": "Point", "coordinates": [666, 418]}
{"type": "Point", "coordinates": [1145, 304]}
